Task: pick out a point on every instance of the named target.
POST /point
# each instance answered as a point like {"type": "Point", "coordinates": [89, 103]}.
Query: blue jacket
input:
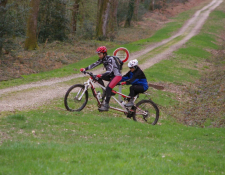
{"type": "Point", "coordinates": [136, 78]}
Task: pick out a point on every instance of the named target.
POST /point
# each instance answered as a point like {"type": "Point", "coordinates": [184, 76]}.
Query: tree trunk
{"type": "Point", "coordinates": [130, 13]}
{"type": "Point", "coordinates": [75, 12]}
{"type": "Point", "coordinates": [163, 5]}
{"type": "Point", "coordinates": [102, 18]}
{"type": "Point", "coordinates": [3, 3]}
{"type": "Point", "coordinates": [113, 15]}
{"type": "Point", "coordinates": [136, 6]}
{"type": "Point", "coordinates": [105, 19]}
{"type": "Point", "coordinates": [31, 40]}
{"type": "Point", "coordinates": [151, 5]}
{"type": "Point", "coordinates": [112, 26]}
{"type": "Point", "coordinates": [115, 7]}
{"type": "Point", "coordinates": [2, 12]}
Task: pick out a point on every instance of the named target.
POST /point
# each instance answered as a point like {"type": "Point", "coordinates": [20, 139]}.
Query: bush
{"type": "Point", "coordinates": [12, 24]}
{"type": "Point", "coordinates": [87, 31]}
{"type": "Point", "coordinates": [52, 23]}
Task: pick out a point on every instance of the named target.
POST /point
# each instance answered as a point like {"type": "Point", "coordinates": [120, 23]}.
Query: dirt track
{"type": "Point", "coordinates": [36, 94]}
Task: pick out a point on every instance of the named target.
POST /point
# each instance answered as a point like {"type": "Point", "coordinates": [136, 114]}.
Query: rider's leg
{"type": "Point", "coordinates": [107, 78]}
{"type": "Point", "coordinates": [134, 90]}
{"type": "Point", "coordinates": [101, 82]}
{"type": "Point", "coordinates": [108, 94]}
{"type": "Point", "coordinates": [111, 85]}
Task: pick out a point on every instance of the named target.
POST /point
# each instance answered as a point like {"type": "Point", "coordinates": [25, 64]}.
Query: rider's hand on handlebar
{"type": "Point", "coordinates": [99, 76]}
{"type": "Point", "coordinates": [82, 69]}
{"type": "Point", "coordinates": [95, 77]}
{"type": "Point", "coordinates": [123, 83]}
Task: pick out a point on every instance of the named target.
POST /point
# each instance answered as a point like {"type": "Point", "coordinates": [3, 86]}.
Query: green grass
{"type": "Point", "coordinates": [216, 16]}
{"type": "Point", "coordinates": [204, 40]}
{"type": "Point", "coordinates": [171, 71]}
{"type": "Point", "coordinates": [194, 52]}
{"type": "Point", "coordinates": [84, 143]}
{"type": "Point", "coordinates": [161, 34]}
{"type": "Point", "coordinates": [162, 98]}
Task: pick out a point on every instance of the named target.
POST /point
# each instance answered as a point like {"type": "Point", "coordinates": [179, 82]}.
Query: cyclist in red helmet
{"type": "Point", "coordinates": [112, 74]}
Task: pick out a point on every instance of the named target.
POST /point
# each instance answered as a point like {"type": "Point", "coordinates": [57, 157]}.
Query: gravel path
{"type": "Point", "coordinates": [39, 93]}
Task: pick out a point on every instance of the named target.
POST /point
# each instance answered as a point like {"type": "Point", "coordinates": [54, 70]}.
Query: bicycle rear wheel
{"type": "Point", "coordinates": [75, 98]}
{"type": "Point", "coordinates": [146, 111]}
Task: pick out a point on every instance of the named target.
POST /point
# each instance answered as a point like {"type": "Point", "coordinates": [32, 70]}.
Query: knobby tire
{"type": "Point", "coordinates": [69, 99]}
{"type": "Point", "coordinates": [153, 112]}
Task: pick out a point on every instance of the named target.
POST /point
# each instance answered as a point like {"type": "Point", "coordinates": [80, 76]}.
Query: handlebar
{"type": "Point", "coordinates": [91, 75]}
{"type": "Point", "coordinates": [94, 76]}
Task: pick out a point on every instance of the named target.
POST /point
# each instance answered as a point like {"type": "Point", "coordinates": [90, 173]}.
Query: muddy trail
{"type": "Point", "coordinates": [36, 94]}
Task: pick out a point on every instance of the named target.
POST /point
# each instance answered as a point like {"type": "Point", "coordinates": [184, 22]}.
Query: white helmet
{"type": "Point", "coordinates": [133, 63]}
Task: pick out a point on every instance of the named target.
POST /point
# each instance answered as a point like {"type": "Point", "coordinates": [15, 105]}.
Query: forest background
{"type": "Point", "coordinates": [37, 36]}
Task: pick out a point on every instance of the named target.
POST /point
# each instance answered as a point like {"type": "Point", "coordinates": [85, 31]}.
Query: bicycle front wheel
{"type": "Point", "coordinates": [76, 98]}
{"type": "Point", "coordinates": [146, 111]}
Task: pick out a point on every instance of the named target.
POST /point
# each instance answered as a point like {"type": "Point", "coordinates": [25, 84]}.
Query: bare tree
{"type": "Point", "coordinates": [75, 13]}
{"type": "Point", "coordinates": [31, 40]}
{"type": "Point", "coordinates": [106, 18]}
{"type": "Point", "coordinates": [102, 18]}
{"type": "Point", "coordinates": [152, 5]}
{"type": "Point", "coordinates": [136, 6]}
{"type": "Point", "coordinates": [3, 3]}
{"type": "Point", "coordinates": [2, 12]}
{"type": "Point", "coordinates": [163, 5]}
{"type": "Point", "coordinates": [129, 13]}
{"type": "Point", "coordinates": [114, 11]}
{"type": "Point", "coordinates": [112, 26]}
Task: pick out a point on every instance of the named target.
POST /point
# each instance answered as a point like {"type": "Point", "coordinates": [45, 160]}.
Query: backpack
{"type": "Point", "coordinates": [119, 63]}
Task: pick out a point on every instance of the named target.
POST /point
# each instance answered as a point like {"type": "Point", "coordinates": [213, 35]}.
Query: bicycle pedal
{"type": "Point", "coordinates": [129, 116]}
{"type": "Point", "coordinates": [103, 110]}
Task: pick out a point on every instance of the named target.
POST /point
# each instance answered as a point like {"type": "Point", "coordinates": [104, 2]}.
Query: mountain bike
{"type": "Point", "coordinates": [76, 99]}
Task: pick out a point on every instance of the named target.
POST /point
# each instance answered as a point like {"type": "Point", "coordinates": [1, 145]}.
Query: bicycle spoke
{"type": "Point", "coordinates": [147, 111]}
{"type": "Point", "coordinates": [76, 98]}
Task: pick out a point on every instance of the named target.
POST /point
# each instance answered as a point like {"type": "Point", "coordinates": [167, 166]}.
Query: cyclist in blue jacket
{"type": "Point", "coordinates": [137, 79]}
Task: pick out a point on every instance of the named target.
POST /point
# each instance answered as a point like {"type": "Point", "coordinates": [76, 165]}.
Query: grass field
{"type": "Point", "coordinates": [50, 140]}
{"type": "Point", "coordinates": [93, 143]}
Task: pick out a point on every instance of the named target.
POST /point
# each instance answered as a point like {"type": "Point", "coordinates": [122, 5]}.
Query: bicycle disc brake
{"type": "Point", "coordinates": [145, 116]}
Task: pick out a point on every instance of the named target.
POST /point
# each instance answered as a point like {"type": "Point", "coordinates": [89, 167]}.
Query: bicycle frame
{"type": "Point", "coordinates": [90, 83]}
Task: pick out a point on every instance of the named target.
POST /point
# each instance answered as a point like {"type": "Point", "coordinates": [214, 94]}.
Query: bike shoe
{"type": "Point", "coordinates": [104, 107]}
{"type": "Point", "coordinates": [112, 93]}
{"type": "Point", "coordinates": [129, 104]}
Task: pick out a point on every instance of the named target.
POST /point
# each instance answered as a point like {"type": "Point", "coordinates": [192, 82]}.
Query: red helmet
{"type": "Point", "coordinates": [101, 49]}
